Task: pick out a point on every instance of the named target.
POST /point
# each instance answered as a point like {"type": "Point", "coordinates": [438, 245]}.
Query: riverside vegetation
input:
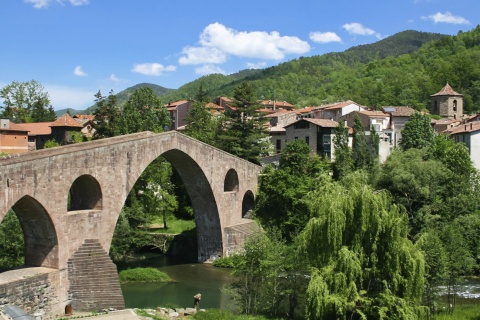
{"type": "Point", "coordinates": [355, 239]}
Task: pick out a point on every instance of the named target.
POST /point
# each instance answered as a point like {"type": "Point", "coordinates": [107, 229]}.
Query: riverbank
{"type": "Point", "coordinates": [134, 314]}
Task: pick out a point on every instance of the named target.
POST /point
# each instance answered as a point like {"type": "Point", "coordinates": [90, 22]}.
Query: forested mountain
{"type": "Point", "coordinates": [402, 70]}
{"type": "Point", "coordinates": [318, 79]}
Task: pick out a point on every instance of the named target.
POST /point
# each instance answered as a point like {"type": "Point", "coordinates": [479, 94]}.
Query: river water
{"type": "Point", "coordinates": [192, 278]}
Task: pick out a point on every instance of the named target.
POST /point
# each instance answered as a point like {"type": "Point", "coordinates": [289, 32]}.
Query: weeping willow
{"type": "Point", "coordinates": [364, 266]}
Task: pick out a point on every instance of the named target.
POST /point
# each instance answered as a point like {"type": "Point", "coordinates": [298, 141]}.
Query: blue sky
{"type": "Point", "coordinates": [76, 47]}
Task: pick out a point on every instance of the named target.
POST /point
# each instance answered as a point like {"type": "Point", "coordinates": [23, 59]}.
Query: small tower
{"type": "Point", "coordinates": [447, 103]}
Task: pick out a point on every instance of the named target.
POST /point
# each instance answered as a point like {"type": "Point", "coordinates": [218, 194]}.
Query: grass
{"type": "Point", "coordinates": [470, 311]}
{"type": "Point", "coordinates": [215, 314]}
{"type": "Point", "coordinates": [176, 227]}
{"type": "Point", "coordinates": [143, 275]}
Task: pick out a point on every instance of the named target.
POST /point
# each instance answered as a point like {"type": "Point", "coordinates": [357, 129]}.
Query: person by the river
{"type": "Point", "coordinates": [196, 301]}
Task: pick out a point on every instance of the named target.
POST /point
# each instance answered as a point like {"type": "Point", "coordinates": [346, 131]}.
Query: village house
{"type": "Point", "coordinates": [317, 133]}
{"type": "Point", "coordinates": [336, 110]}
{"type": "Point", "coordinates": [13, 137]}
{"type": "Point", "coordinates": [87, 122]}
{"type": "Point", "coordinates": [276, 127]}
{"type": "Point", "coordinates": [38, 134]}
{"type": "Point", "coordinates": [398, 117]}
{"type": "Point", "coordinates": [63, 128]}
{"type": "Point", "coordinates": [469, 134]}
{"type": "Point", "coordinates": [178, 113]}
{"type": "Point", "coordinates": [377, 120]}
{"type": "Point", "coordinates": [275, 105]}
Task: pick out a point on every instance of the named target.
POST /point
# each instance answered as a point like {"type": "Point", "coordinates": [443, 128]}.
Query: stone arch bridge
{"type": "Point", "coordinates": [66, 246]}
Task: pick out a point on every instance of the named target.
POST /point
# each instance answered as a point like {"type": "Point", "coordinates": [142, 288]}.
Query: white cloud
{"type": "Point", "coordinates": [38, 4]}
{"type": "Point", "coordinates": [114, 78]}
{"type": "Point", "coordinates": [446, 17]}
{"type": "Point", "coordinates": [259, 65]}
{"type": "Point", "coordinates": [152, 69]}
{"type": "Point", "coordinates": [359, 29]}
{"type": "Point", "coordinates": [218, 41]}
{"type": "Point", "coordinates": [65, 97]}
{"type": "Point", "coordinates": [324, 37]}
{"type": "Point", "coordinates": [79, 72]}
{"type": "Point", "coordinates": [199, 55]}
{"type": "Point", "coordinates": [208, 69]}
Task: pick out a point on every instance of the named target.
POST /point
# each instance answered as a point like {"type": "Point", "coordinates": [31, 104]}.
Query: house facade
{"type": "Point", "coordinates": [317, 133]}
{"type": "Point", "coordinates": [178, 113]}
{"type": "Point", "coordinates": [13, 137]}
{"type": "Point", "coordinates": [336, 110]}
{"type": "Point", "coordinates": [469, 134]}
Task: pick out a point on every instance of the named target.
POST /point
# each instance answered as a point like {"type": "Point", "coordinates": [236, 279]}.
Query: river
{"type": "Point", "coordinates": [192, 278]}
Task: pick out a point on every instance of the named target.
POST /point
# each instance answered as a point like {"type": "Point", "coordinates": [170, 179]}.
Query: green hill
{"type": "Point", "coordinates": [404, 69]}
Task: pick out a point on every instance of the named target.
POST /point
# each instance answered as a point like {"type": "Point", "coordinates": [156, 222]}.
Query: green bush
{"type": "Point", "coordinates": [226, 262]}
{"type": "Point", "coordinates": [143, 275]}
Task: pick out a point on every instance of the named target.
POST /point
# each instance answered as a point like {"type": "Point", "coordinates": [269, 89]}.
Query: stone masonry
{"type": "Point", "coordinates": [97, 176]}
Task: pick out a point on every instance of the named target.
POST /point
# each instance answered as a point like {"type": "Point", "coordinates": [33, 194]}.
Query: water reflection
{"type": "Point", "coordinates": [192, 278]}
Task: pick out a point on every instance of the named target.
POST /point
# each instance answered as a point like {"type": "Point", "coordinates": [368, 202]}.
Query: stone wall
{"type": "Point", "coordinates": [34, 290]}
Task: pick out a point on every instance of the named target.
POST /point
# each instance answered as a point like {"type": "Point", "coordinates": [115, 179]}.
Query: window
{"type": "Point", "coordinates": [307, 140]}
{"type": "Point", "coordinates": [454, 105]}
{"type": "Point", "coordinates": [279, 144]}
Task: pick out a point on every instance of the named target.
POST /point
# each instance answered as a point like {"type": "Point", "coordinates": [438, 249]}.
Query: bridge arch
{"type": "Point", "coordinates": [85, 194]}
{"type": "Point", "coordinates": [41, 244]}
{"type": "Point", "coordinates": [207, 219]}
{"type": "Point", "coordinates": [231, 181]}
{"type": "Point", "coordinates": [247, 204]}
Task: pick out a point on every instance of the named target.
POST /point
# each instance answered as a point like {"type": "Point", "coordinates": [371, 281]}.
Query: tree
{"type": "Point", "coordinates": [417, 133]}
{"type": "Point", "coordinates": [26, 102]}
{"type": "Point", "coordinates": [106, 113]}
{"type": "Point", "coordinates": [363, 263]}
{"type": "Point", "coordinates": [143, 111]}
{"type": "Point", "coordinates": [243, 131]}
{"type": "Point", "coordinates": [364, 150]}
{"type": "Point", "coordinates": [342, 164]}
{"type": "Point", "coordinates": [281, 200]}
{"type": "Point", "coordinates": [11, 242]}
{"type": "Point", "coordinates": [200, 123]}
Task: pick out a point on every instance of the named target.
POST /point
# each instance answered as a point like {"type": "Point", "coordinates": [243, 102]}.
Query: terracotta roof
{"type": "Point", "coordinates": [466, 128]}
{"type": "Point", "coordinates": [339, 105]}
{"type": "Point", "coordinates": [264, 110]}
{"type": "Point", "coordinates": [84, 116]}
{"type": "Point", "coordinates": [214, 106]}
{"type": "Point", "coordinates": [447, 91]}
{"type": "Point", "coordinates": [280, 112]}
{"type": "Point", "coordinates": [399, 111]}
{"type": "Point", "coordinates": [66, 121]}
{"type": "Point", "coordinates": [374, 114]}
{"type": "Point", "coordinates": [304, 110]}
{"type": "Point", "coordinates": [277, 103]}
{"type": "Point", "coordinates": [38, 128]}
{"type": "Point", "coordinates": [14, 127]}
{"type": "Point", "coordinates": [319, 122]}
{"type": "Point", "coordinates": [175, 104]}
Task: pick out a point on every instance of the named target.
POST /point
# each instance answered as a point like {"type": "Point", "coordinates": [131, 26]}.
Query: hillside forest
{"type": "Point", "coordinates": [352, 239]}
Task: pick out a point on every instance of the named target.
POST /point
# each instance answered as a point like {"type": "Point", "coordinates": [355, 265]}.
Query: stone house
{"type": "Point", "coordinates": [178, 113]}
{"type": "Point", "coordinates": [276, 127]}
{"type": "Point", "coordinates": [447, 103]}
{"type": "Point", "coordinates": [63, 127]}
{"type": "Point", "coordinates": [13, 137]}
{"type": "Point", "coordinates": [317, 133]}
{"type": "Point", "coordinates": [275, 105]}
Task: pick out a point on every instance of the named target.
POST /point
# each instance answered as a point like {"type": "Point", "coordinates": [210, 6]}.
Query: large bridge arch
{"type": "Point", "coordinates": [44, 178]}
